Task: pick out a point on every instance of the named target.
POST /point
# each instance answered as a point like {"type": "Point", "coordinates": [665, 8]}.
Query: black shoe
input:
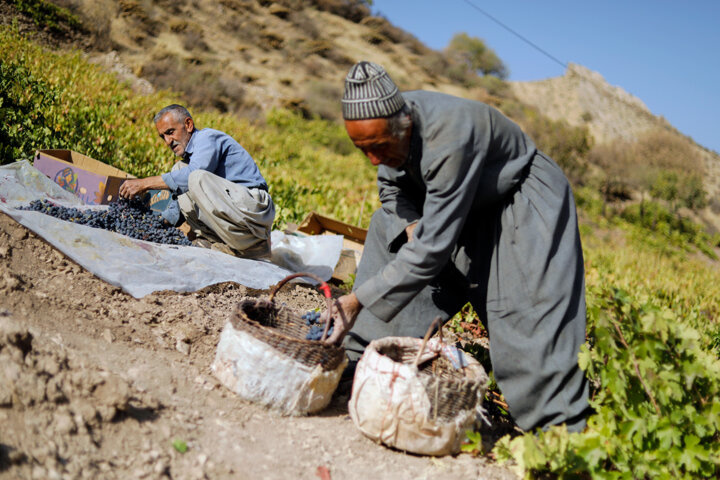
{"type": "Point", "coordinates": [202, 242]}
{"type": "Point", "coordinates": [346, 379]}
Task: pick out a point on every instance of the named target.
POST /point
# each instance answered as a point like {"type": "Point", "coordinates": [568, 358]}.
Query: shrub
{"type": "Point", "coordinates": [24, 121]}
{"type": "Point", "coordinates": [654, 389]}
{"type": "Point", "coordinates": [47, 15]}
{"type": "Point", "coordinates": [478, 57]}
{"type": "Point", "coordinates": [493, 85]}
{"type": "Point", "coordinates": [394, 34]}
{"type": "Point", "coordinates": [567, 145]}
{"type": "Point", "coordinates": [323, 99]}
{"type": "Point", "coordinates": [678, 231]}
{"type": "Point", "coordinates": [659, 163]}
{"type": "Point", "coordinates": [353, 10]}
{"type": "Point", "coordinates": [434, 64]}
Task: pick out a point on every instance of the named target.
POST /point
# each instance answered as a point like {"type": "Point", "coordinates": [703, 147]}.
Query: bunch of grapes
{"type": "Point", "coordinates": [312, 319]}
{"type": "Point", "coordinates": [128, 217]}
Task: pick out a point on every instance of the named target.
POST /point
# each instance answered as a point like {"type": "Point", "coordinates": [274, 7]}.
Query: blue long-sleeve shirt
{"type": "Point", "coordinates": [218, 153]}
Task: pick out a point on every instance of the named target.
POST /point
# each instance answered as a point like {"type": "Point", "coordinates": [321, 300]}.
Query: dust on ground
{"type": "Point", "coordinates": [97, 384]}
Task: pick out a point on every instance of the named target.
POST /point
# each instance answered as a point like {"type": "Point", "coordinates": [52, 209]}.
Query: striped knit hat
{"type": "Point", "coordinates": [370, 93]}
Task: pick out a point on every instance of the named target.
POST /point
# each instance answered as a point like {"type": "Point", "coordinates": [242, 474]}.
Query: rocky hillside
{"type": "Point", "coordinates": [246, 56]}
{"type": "Point", "coordinates": [583, 97]}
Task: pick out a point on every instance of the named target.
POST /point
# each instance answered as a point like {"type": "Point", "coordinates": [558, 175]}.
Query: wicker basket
{"type": "Point", "coordinates": [263, 356]}
{"type": "Point", "coordinates": [408, 395]}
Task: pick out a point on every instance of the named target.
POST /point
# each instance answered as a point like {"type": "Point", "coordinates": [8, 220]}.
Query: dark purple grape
{"type": "Point", "coordinates": [128, 217]}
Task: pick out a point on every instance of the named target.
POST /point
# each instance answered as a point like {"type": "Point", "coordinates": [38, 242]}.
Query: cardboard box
{"type": "Point", "coordinates": [353, 241]}
{"type": "Point", "coordinates": [94, 182]}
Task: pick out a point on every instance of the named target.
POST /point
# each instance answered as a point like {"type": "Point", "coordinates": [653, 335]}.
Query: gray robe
{"type": "Point", "coordinates": [497, 226]}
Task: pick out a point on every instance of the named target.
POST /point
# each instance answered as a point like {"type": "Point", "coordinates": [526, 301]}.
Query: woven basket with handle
{"type": "Point", "coordinates": [263, 356]}
{"type": "Point", "coordinates": [408, 394]}
{"type": "Point", "coordinates": [284, 330]}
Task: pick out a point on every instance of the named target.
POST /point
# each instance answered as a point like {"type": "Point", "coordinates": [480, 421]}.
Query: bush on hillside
{"type": "Point", "coordinates": [205, 86]}
{"type": "Point", "coordinates": [679, 231]}
{"type": "Point", "coordinates": [383, 27]}
{"type": "Point", "coordinates": [565, 144]}
{"type": "Point", "coordinates": [654, 387]}
{"type": "Point", "coordinates": [48, 15]}
{"type": "Point", "coordinates": [323, 99]}
{"type": "Point", "coordinates": [493, 85]}
{"type": "Point", "coordinates": [353, 10]}
{"type": "Point", "coordinates": [24, 121]}
{"type": "Point", "coordinates": [657, 164]}
{"type": "Point", "coordinates": [474, 54]}
{"type": "Point", "coordinates": [616, 180]}
{"type": "Point", "coordinates": [62, 102]}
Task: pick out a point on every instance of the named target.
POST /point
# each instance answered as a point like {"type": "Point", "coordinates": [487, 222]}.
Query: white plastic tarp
{"type": "Point", "coordinates": [141, 267]}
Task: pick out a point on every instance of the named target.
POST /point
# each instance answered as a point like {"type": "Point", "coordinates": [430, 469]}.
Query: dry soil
{"type": "Point", "coordinates": [97, 384]}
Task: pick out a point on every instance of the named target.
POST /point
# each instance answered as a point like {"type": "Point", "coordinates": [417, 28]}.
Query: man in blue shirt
{"type": "Point", "coordinates": [219, 189]}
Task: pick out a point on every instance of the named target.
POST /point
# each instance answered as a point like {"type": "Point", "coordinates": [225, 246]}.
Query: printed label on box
{"type": "Point", "coordinates": [159, 199]}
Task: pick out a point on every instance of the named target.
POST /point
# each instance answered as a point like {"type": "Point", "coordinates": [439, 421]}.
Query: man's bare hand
{"type": "Point", "coordinates": [138, 186]}
{"type": "Point", "coordinates": [344, 313]}
{"type": "Point", "coordinates": [409, 230]}
{"type": "Point", "coordinates": [131, 188]}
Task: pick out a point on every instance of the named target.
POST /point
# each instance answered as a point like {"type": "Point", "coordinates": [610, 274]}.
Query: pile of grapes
{"type": "Point", "coordinates": [312, 319]}
{"type": "Point", "coordinates": [128, 217]}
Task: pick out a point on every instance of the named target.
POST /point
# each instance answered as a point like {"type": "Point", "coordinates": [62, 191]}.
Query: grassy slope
{"type": "Point", "coordinates": [73, 104]}
{"type": "Point", "coordinates": [310, 165]}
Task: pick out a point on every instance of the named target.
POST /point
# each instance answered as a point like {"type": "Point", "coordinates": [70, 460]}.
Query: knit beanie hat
{"type": "Point", "coordinates": [370, 93]}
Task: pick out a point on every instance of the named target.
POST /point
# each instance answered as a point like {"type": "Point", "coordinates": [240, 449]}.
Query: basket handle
{"type": "Point", "coordinates": [435, 322]}
{"type": "Point", "coordinates": [323, 287]}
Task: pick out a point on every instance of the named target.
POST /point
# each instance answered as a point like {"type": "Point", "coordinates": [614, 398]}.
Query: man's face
{"type": "Point", "coordinates": [175, 133]}
{"type": "Point", "coordinates": [373, 137]}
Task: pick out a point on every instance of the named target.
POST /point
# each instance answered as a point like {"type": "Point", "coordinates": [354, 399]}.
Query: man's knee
{"type": "Point", "coordinates": [195, 179]}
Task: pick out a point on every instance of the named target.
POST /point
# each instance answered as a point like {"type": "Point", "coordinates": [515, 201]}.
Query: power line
{"type": "Point", "coordinates": [563, 64]}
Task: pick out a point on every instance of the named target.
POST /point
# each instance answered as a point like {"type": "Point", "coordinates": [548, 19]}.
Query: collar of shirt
{"type": "Point", "coordinates": [189, 146]}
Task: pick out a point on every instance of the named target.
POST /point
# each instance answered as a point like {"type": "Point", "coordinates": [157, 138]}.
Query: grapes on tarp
{"type": "Point", "coordinates": [127, 217]}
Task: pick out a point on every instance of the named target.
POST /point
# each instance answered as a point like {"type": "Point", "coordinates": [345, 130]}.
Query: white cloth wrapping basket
{"type": "Point", "coordinates": [259, 373]}
{"type": "Point", "coordinates": [263, 356]}
{"type": "Point", "coordinates": [424, 409]}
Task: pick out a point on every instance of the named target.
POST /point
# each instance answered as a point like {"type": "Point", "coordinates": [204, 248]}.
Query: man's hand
{"type": "Point", "coordinates": [409, 230]}
{"type": "Point", "coordinates": [344, 313]}
{"type": "Point", "coordinates": [138, 186]}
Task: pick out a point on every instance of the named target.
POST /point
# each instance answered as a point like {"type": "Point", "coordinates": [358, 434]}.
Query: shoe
{"type": "Point", "coordinates": [221, 247]}
{"type": "Point", "coordinates": [202, 243]}
{"type": "Point", "coordinates": [345, 384]}
{"type": "Point", "coordinates": [259, 251]}
{"type": "Point", "coordinates": [256, 252]}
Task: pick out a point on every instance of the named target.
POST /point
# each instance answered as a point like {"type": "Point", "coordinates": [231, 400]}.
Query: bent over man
{"type": "Point", "coordinates": [471, 211]}
{"type": "Point", "coordinates": [219, 189]}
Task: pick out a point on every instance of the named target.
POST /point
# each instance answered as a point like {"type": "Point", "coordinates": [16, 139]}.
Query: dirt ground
{"type": "Point", "coordinates": [97, 384]}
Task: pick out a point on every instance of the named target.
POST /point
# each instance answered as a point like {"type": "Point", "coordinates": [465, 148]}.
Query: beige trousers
{"type": "Point", "coordinates": [220, 210]}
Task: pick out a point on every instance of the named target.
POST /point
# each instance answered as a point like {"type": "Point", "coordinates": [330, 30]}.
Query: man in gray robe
{"type": "Point", "coordinates": [471, 211]}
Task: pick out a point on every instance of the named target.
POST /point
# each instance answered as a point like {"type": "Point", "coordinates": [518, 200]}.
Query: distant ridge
{"type": "Point", "coordinates": [583, 97]}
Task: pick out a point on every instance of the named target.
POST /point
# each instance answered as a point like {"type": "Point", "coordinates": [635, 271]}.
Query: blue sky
{"type": "Point", "coordinates": [666, 53]}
